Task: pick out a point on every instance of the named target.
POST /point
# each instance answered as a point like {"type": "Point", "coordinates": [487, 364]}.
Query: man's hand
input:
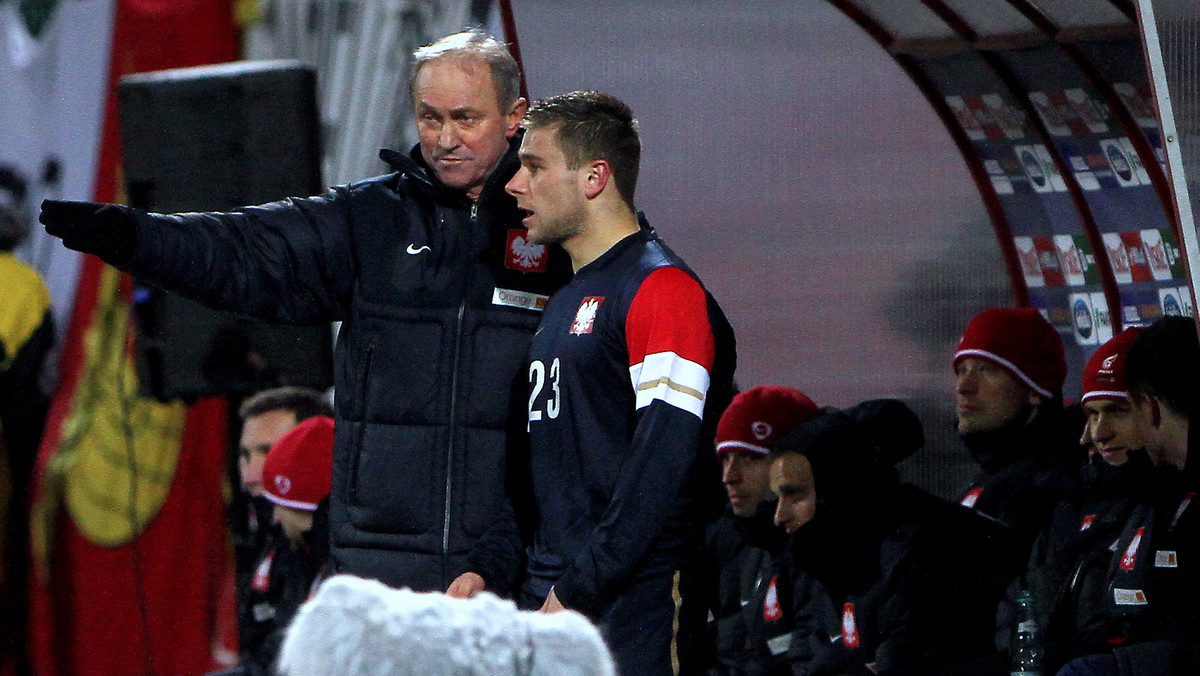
{"type": "Point", "coordinates": [552, 604]}
{"type": "Point", "coordinates": [106, 230]}
{"type": "Point", "coordinates": [465, 586]}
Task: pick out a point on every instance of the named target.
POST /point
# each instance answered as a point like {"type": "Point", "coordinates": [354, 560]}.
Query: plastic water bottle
{"type": "Point", "coordinates": [1026, 645]}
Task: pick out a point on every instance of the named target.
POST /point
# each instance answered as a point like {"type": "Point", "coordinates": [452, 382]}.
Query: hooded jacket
{"type": "Point", "coordinates": [758, 590]}
{"type": "Point", "coordinates": [905, 583]}
{"type": "Point", "coordinates": [438, 298]}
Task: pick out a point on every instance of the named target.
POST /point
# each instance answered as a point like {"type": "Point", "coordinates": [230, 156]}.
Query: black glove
{"type": "Point", "coordinates": [106, 230]}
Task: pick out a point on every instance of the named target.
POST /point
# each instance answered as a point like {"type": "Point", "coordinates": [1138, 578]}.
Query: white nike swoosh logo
{"type": "Point", "coordinates": [412, 249]}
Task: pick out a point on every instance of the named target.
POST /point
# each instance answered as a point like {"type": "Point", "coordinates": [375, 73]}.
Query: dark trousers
{"type": "Point", "coordinates": [637, 626]}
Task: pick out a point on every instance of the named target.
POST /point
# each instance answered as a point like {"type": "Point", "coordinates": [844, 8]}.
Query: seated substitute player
{"type": "Point", "coordinates": [266, 417]}
{"type": "Point", "coordinates": [749, 626]}
{"type": "Point", "coordinates": [1106, 401]}
{"type": "Point", "coordinates": [1069, 570]}
{"type": "Point", "coordinates": [296, 478]}
{"type": "Point", "coordinates": [901, 582]}
{"type": "Point", "coordinates": [757, 592]}
{"type": "Point", "coordinates": [1009, 371]}
{"type": "Point", "coordinates": [1158, 575]}
{"type": "Point", "coordinates": [628, 371]}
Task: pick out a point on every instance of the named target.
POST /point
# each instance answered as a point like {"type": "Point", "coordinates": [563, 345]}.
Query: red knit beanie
{"type": "Point", "coordinates": [298, 471]}
{"type": "Point", "coordinates": [760, 416]}
{"type": "Point", "coordinates": [1022, 342]}
{"type": "Point", "coordinates": [1104, 375]}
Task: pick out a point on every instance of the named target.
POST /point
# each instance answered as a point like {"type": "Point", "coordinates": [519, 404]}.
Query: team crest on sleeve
{"type": "Point", "coordinates": [1129, 559]}
{"type": "Point", "coordinates": [849, 626]}
{"type": "Point", "coordinates": [971, 497]}
{"type": "Point", "coordinates": [523, 255]}
{"type": "Point", "coordinates": [771, 610]}
{"type": "Point", "coordinates": [262, 574]}
{"type": "Point", "coordinates": [585, 316]}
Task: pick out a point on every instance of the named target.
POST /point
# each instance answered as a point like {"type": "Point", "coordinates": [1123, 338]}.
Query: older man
{"type": "Point", "coordinates": [1009, 371]}
{"type": "Point", "coordinates": [438, 292]}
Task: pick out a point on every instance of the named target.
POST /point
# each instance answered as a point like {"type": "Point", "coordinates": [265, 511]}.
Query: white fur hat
{"type": "Point", "coordinates": [357, 627]}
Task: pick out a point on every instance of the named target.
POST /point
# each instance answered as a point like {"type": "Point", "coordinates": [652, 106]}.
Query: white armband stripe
{"type": "Point", "coordinates": [667, 377]}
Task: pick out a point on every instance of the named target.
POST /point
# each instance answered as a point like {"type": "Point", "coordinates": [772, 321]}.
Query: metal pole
{"type": "Point", "coordinates": [1185, 223]}
{"type": "Point", "coordinates": [514, 46]}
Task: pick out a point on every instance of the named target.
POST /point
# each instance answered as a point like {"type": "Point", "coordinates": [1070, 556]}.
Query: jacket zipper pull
{"type": "Point", "coordinates": [474, 210]}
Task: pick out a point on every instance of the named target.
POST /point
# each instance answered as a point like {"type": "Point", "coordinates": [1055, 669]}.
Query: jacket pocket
{"type": "Point", "coordinates": [396, 484]}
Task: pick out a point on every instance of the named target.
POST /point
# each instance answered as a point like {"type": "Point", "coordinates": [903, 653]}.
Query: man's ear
{"type": "Point", "coordinates": [513, 118]}
{"type": "Point", "coordinates": [596, 178]}
{"type": "Point", "coordinates": [1035, 399]}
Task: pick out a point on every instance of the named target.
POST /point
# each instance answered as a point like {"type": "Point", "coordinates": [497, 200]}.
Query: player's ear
{"type": "Point", "coordinates": [596, 178]}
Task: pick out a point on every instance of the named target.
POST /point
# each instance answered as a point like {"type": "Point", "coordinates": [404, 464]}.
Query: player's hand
{"type": "Point", "coordinates": [465, 586]}
{"type": "Point", "coordinates": [106, 230]}
{"type": "Point", "coordinates": [552, 604]}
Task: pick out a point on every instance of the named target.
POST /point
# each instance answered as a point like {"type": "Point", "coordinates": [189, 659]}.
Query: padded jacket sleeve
{"type": "Point", "coordinates": [289, 261]}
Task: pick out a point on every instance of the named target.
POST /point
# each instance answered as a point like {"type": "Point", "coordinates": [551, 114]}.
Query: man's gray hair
{"type": "Point", "coordinates": [473, 44]}
{"type": "Point", "coordinates": [358, 627]}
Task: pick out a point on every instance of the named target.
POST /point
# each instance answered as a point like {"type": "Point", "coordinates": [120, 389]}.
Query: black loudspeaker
{"type": "Point", "coordinates": [210, 139]}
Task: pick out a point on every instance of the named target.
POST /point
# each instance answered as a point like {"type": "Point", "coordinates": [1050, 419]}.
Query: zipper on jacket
{"type": "Point", "coordinates": [453, 422]}
{"type": "Point", "coordinates": [458, 330]}
{"type": "Point", "coordinates": [362, 425]}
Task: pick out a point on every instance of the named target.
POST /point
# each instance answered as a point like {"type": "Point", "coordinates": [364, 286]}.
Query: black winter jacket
{"type": "Point", "coordinates": [916, 595]}
{"type": "Point", "coordinates": [283, 579]}
{"type": "Point", "coordinates": [1026, 470]}
{"type": "Point", "coordinates": [1159, 554]}
{"type": "Point", "coordinates": [1069, 569]}
{"type": "Point", "coordinates": [751, 602]}
{"type": "Point", "coordinates": [902, 582]}
{"type": "Point", "coordinates": [434, 293]}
